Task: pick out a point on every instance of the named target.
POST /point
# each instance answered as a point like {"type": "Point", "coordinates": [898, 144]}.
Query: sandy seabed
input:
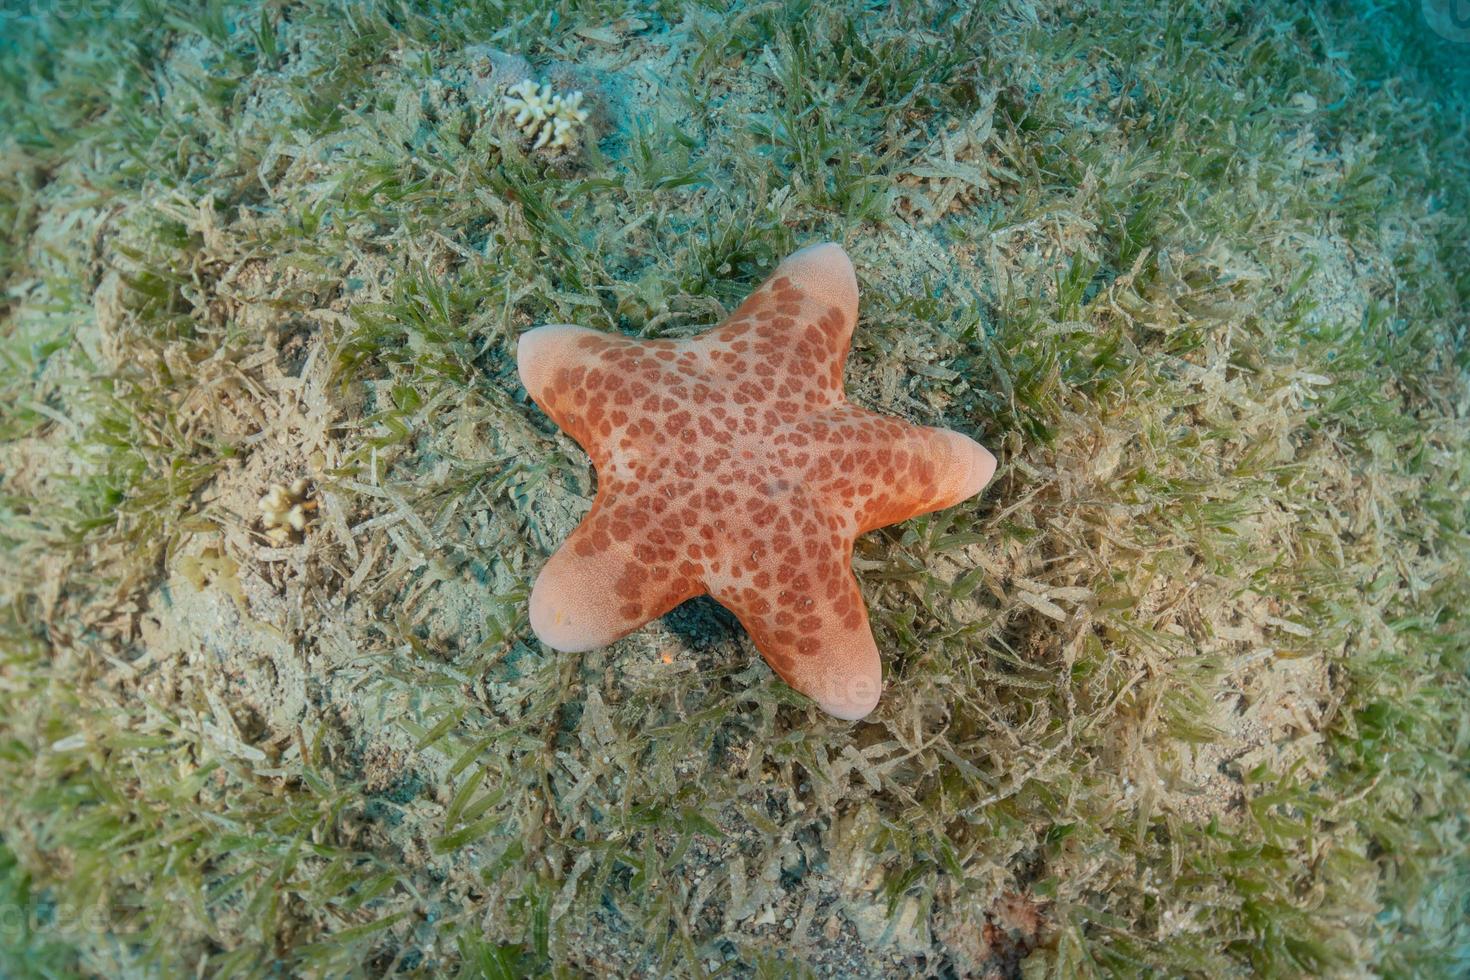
{"type": "Point", "coordinates": [1182, 692]}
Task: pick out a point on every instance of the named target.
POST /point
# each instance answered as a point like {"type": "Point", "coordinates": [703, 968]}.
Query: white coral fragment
{"type": "Point", "coordinates": [547, 119]}
{"type": "Point", "coordinates": [284, 511]}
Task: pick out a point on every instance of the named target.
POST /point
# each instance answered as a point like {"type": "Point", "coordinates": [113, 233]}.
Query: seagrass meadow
{"type": "Point", "coordinates": [1183, 693]}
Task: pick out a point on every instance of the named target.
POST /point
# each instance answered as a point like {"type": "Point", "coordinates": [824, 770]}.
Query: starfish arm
{"type": "Point", "coordinates": [553, 362]}
{"type": "Point", "coordinates": [788, 578]}
{"type": "Point", "coordinates": [954, 469]}
{"type": "Point", "coordinates": [788, 340]}
{"type": "Point", "coordinates": [881, 470]}
{"type": "Point", "coordinates": [602, 389]}
{"type": "Point", "coordinates": [823, 278]}
{"type": "Point", "coordinates": [613, 574]}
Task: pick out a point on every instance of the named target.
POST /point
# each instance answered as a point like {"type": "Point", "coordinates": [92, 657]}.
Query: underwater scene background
{"type": "Point", "coordinates": [1182, 693]}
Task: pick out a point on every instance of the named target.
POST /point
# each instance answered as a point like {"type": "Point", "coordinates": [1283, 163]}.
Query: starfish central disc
{"type": "Point", "coordinates": [732, 464]}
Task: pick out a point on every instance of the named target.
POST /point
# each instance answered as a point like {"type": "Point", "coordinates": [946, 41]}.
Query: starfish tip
{"type": "Point", "coordinates": [825, 272]}
{"type": "Point", "coordinates": [975, 465]}
{"type": "Point", "coordinates": [537, 350]}
{"type": "Point", "coordinates": [854, 708]}
{"type": "Point", "coordinates": [555, 623]}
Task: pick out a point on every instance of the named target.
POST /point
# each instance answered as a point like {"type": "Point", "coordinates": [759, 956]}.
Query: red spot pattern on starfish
{"type": "Point", "coordinates": [732, 464]}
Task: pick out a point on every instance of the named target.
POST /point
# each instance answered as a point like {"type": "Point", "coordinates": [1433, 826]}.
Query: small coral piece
{"type": "Point", "coordinates": [285, 511]}
{"type": "Point", "coordinates": [548, 120]}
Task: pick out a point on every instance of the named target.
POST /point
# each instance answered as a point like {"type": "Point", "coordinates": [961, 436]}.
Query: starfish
{"type": "Point", "coordinates": [732, 464]}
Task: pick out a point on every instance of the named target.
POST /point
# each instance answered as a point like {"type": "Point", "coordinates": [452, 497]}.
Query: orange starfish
{"type": "Point", "coordinates": [732, 464]}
